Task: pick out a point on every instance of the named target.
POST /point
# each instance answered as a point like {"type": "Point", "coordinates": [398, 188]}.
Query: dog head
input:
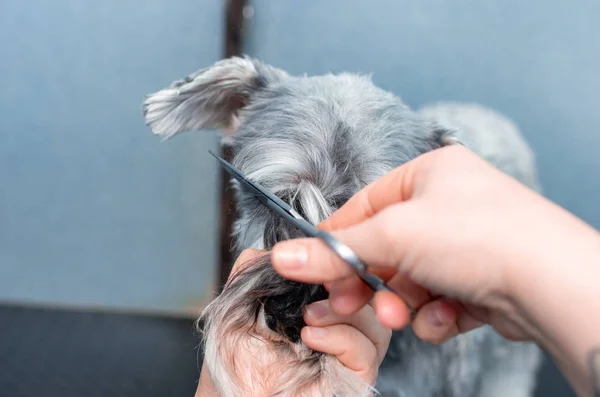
{"type": "Point", "coordinates": [314, 142]}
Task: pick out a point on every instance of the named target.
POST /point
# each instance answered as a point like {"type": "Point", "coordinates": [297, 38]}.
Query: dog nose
{"type": "Point", "coordinates": [292, 333]}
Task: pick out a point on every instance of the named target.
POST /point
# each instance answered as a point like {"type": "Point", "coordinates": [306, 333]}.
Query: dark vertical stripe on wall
{"type": "Point", "coordinates": [234, 18]}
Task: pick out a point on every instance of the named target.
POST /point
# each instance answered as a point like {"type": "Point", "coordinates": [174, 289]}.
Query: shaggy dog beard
{"type": "Point", "coordinates": [252, 340]}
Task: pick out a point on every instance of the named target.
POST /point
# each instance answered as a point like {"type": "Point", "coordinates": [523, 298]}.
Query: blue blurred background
{"type": "Point", "coordinates": [95, 212]}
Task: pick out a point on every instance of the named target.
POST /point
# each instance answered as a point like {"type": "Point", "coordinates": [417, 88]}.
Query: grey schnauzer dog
{"type": "Point", "coordinates": [314, 142]}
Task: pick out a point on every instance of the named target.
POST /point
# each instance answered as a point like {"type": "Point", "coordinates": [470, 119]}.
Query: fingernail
{"type": "Point", "coordinates": [290, 256]}
{"type": "Point", "coordinates": [318, 310]}
{"type": "Point", "coordinates": [315, 332]}
{"type": "Point", "coordinates": [437, 317]}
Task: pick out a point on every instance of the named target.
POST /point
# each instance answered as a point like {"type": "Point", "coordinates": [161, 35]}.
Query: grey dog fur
{"type": "Point", "coordinates": [315, 141]}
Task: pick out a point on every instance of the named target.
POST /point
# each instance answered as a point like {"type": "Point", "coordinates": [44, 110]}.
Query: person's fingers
{"type": "Point", "coordinates": [413, 294]}
{"type": "Point", "coordinates": [443, 319]}
{"type": "Point", "coordinates": [469, 317]}
{"type": "Point", "coordinates": [393, 309]}
{"type": "Point", "coordinates": [308, 260]}
{"type": "Point", "coordinates": [311, 260]}
{"type": "Point", "coordinates": [392, 312]}
{"type": "Point", "coordinates": [319, 314]}
{"type": "Point", "coordinates": [351, 347]}
{"type": "Point", "coordinates": [394, 187]}
{"type": "Point", "coordinates": [435, 322]}
{"type": "Point", "coordinates": [350, 294]}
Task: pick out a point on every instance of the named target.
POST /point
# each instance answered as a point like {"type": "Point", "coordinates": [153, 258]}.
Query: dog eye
{"type": "Point", "coordinates": [271, 322]}
{"type": "Point", "coordinates": [266, 324]}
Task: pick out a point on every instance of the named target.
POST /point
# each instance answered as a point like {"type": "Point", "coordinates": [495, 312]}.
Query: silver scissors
{"type": "Point", "coordinates": [273, 202]}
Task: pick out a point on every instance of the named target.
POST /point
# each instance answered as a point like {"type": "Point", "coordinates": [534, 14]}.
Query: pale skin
{"type": "Point", "coordinates": [465, 245]}
{"type": "Point", "coordinates": [358, 340]}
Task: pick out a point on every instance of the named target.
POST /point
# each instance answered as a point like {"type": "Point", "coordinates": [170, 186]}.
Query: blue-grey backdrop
{"type": "Point", "coordinates": [94, 210]}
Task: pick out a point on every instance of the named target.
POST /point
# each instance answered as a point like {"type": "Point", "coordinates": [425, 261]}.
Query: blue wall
{"type": "Point", "coordinates": [94, 210]}
{"type": "Point", "coordinates": [536, 61]}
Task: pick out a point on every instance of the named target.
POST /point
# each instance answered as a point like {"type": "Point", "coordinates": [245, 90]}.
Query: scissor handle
{"type": "Point", "coordinates": [343, 251]}
{"type": "Point", "coordinates": [347, 255]}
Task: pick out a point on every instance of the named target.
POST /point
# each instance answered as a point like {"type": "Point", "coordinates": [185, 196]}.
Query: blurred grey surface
{"type": "Point", "coordinates": [94, 354]}
{"type": "Point", "coordinates": [94, 209]}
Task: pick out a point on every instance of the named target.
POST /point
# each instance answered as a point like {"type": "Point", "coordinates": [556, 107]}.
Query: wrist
{"type": "Point", "coordinates": [556, 294]}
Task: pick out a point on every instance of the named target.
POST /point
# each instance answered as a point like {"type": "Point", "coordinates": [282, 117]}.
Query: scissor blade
{"type": "Point", "coordinates": [237, 174]}
{"type": "Point", "coordinates": [241, 178]}
{"type": "Point", "coordinates": [287, 212]}
{"type": "Point", "coordinates": [230, 168]}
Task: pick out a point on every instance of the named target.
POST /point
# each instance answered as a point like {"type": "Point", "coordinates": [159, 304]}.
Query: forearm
{"type": "Point", "coordinates": [562, 300]}
{"type": "Point", "coordinates": [570, 330]}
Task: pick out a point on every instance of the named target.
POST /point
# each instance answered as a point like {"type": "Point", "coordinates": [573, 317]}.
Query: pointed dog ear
{"type": "Point", "coordinates": [443, 132]}
{"type": "Point", "coordinates": [446, 136]}
{"type": "Point", "coordinates": [209, 98]}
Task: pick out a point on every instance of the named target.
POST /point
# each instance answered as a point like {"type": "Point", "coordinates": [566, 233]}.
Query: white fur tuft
{"type": "Point", "coordinates": [205, 99]}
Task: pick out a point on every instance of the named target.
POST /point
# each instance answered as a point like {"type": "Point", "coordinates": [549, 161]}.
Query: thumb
{"type": "Point", "coordinates": [380, 241]}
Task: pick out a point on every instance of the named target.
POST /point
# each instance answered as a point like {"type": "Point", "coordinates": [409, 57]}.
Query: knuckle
{"type": "Point", "coordinates": [371, 355]}
{"type": "Point", "coordinates": [386, 335]}
{"type": "Point", "coordinates": [382, 343]}
{"type": "Point", "coordinates": [362, 344]}
{"type": "Point", "coordinates": [348, 333]}
{"type": "Point", "coordinates": [436, 338]}
{"type": "Point", "coordinates": [365, 206]}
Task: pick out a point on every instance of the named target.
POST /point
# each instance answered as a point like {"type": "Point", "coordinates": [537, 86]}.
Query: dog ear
{"type": "Point", "coordinates": [209, 98]}
{"type": "Point", "coordinates": [443, 132]}
{"type": "Point", "coordinates": [446, 136]}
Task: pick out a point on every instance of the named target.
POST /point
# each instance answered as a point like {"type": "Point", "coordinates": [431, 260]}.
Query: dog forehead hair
{"type": "Point", "coordinates": [315, 141]}
{"type": "Point", "coordinates": [341, 119]}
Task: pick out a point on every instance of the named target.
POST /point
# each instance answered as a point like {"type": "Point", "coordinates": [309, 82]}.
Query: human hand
{"type": "Point", "coordinates": [452, 234]}
{"type": "Point", "coordinates": [357, 340]}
